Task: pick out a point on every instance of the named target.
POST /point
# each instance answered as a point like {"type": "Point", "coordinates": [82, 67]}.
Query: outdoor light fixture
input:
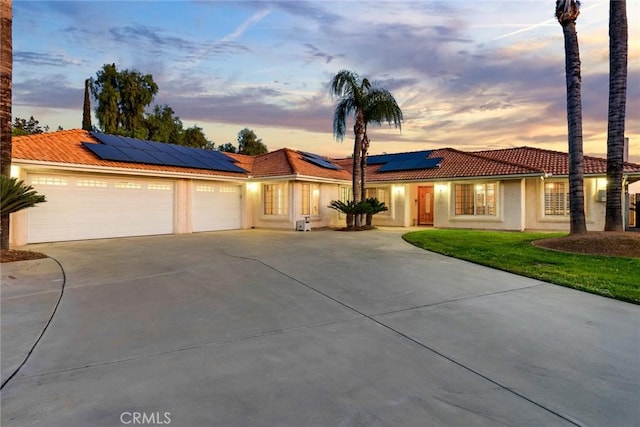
{"type": "Point", "coordinates": [252, 187]}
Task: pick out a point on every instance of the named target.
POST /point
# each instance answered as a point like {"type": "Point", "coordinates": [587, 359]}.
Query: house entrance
{"type": "Point", "coordinates": [425, 205]}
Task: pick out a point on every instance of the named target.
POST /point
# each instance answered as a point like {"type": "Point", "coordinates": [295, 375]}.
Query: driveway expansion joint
{"type": "Point", "coordinates": [44, 329]}
{"type": "Point", "coordinates": [564, 417]}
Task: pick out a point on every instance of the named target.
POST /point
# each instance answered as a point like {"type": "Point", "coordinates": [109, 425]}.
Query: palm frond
{"type": "Point", "coordinates": [15, 195]}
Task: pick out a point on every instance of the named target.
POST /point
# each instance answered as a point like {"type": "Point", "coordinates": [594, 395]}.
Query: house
{"type": "Point", "coordinates": [100, 186]}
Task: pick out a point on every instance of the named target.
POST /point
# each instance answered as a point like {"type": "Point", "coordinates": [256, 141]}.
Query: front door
{"type": "Point", "coordinates": [425, 205]}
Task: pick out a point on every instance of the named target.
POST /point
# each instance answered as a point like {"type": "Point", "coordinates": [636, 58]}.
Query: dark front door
{"type": "Point", "coordinates": [425, 205]}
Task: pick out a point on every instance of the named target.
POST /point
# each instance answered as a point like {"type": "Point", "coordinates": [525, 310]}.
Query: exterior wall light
{"type": "Point", "coordinates": [252, 187]}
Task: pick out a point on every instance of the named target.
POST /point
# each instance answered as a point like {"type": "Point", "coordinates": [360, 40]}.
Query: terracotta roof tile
{"type": "Point", "coordinates": [285, 162]}
{"type": "Point", "coordinates": [454, 164]}
{"type": "Point", "coordinates": [65, 147]}
{"type": "Point", "coordinates": [551, 162]}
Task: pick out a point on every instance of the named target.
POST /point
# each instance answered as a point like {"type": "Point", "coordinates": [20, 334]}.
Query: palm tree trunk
{"type": "Point", "coordinates": [363, 167]}
{"type": "Point", "coordinates": [358, 130]}
{"type": "Point", "coordinates": [6, 71]}
{"type": "Point", "coordinates": [618, 52]}
{"type": "Point", "coordinates": [574, 121]}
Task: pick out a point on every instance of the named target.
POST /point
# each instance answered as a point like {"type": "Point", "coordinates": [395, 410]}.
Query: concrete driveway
{"type": "Point", "coordinates": [274, 328]}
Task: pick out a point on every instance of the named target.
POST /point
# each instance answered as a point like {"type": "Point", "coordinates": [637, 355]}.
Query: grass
{"type": "Point", "coordinates": [614, 277]}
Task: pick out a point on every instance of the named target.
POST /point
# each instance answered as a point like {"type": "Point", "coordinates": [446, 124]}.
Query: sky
{"type": "Point", "coordinates": [470, 75]}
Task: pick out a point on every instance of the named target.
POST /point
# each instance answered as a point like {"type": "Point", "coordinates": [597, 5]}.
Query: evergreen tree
{"type": "Point", "coordinates": [249, 144]}
{"type": "Point", "coordinates": [86, 110]}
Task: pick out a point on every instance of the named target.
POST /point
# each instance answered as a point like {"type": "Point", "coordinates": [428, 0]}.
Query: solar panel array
{"type": "Point", "coordinates": [323, 162]}
{"type": "Point", "coordinates": [405, 161]}
{"type": "Point", "coordinates": [132, 150]}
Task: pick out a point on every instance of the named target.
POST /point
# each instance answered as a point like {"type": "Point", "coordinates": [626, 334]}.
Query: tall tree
{"type": "Point", "coordinates": [194, 137]}
{"type": "Point", "coordinates": [567, 12]}
{"type": "Point", "coordinates": [27, 127]}
{"type": "Point", "coordinates": [381, 107]}
{"type": "Point", "coordinates": [6, 75]}
{"type": "Point", "coordinates": [618, 53]}
{"type": "Point", "coordinates": [86, 108]}
{"type": "Point", "coordinates": [249, 144]}
{"type": "Point", "coordinates": [368, 104]}
{"type": "Point", "coordinates": [122, 97]}
{"type": "Point", "coordinates": [228, 148]}
{"type": "Point", "coordinates": [164, 126]}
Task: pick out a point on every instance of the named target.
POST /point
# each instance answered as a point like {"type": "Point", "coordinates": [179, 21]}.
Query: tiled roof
{"type": "Point", "coordinates": [285, 162]}
{"type": "Point", "coordinates": [454, 164]}
{"type": "Point", "coordinates": [65, 147]}
{"type": "Point", "coordinates": [552, 162]}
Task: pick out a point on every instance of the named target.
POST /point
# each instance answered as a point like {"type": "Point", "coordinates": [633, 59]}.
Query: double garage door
{"type": "Point", "coordinates": [89, 207]}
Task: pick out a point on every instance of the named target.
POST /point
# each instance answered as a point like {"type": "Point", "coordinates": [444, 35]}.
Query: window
{"type": "Point", "coordinates": [275, 199]}
{"type": "Point", "coordinates": [160, 187]}
{"type": "Point", "coordinates": [48, 180]}
{"type": "Point", "coordinates": [310, 200]}
{"type": "Point", "coordinates": [383, 194]}
{"type": "Point", "coordinates": [345, 194]}
{"type": "Point", "coordinates": [556, 198]}
{"type": "Point", "coordinates": [128, 185]}
{"type": "Point", "coordinates": [476, 199]}
{"type": "Point", "coordinates": [91, 183]}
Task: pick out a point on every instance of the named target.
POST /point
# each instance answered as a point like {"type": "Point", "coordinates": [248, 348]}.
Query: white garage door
{"type": "Point", "coordinates": [216, 206]}
{"type": "Point", "coordinates": [91, 207]}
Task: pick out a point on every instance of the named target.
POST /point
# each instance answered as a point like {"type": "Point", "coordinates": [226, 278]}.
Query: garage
{"type": "Point", "coordinates": [216, 206]}
{"type": "Point", "coordinates": [96, 206]}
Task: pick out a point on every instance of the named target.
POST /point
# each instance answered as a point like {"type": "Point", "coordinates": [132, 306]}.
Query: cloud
{"type": "Point", "coordinates": [43, 58]}
{"type": "Point", "coordinates": [242, 28]}
{"type": "Point", "coordinates": [52, 91]}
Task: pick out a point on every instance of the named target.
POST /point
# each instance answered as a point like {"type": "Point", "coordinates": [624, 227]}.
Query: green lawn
{"type": "Point", "coordinates": [614, 277]}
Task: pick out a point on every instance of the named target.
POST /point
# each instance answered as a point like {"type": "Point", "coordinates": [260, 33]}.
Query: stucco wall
{"type": "Point", "coordinates": [509, 208]}
{"type": "Point", "coordinates": [326, 218]}
{"type": "Point", "coordinates": [537, 220]}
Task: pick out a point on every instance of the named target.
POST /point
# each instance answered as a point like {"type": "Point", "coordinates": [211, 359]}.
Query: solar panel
{"type": "Point", "coordinates": [323, 162]}
{"type": "Point", "coordinates": [126, 149]}
{"type": "Point", "coordinates": [141, 156]}
{"type": "Point", "coordinates": [141, 144]}
{"type": "Point", "coordinates": [112, 140]}
{"type": "Point", "coordinates": [412, 164]}
{"type": "Point", "coordinates": [107, 152]}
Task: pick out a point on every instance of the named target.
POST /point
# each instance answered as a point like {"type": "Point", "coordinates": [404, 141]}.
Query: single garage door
{"type": "Point", "coordinates": [216, 206]}
{"type": "Point", "coordinates": [91, 207]}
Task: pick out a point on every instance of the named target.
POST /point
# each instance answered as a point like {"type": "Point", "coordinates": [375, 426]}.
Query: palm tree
{"type": "Point", "coordinates": [567, 12]}
{"type": "Point", "coordinates": [618, 52]}
{"type": "Point", "coordinates": [368, 104]}
{"type": "Point", "coordinates": [372, 207]}
{"type": "Point", "coordinates": [16, 195]}
{"type": "Point", "coordinates": [6, 70]}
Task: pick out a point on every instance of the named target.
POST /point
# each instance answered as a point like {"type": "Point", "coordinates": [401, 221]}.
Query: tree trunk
{"type": "Point", "coordinates": [358, 130]}
{"type": "Point", "coordinates": [6, 71]}
{"type": "Point", "coordinates": [618, 52]}
{"type": "Point", "coordinates": [350, 220]}
{"type": "Point", "coordinates": [363, 166]}
{"type": "Point", "coordinates": [574, 121]}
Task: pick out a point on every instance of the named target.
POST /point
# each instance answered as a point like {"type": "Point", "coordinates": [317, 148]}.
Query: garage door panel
{"type": "Point", "coordinates": [216, 206]}
{"type": "Point", "coordinates": [84, 207]}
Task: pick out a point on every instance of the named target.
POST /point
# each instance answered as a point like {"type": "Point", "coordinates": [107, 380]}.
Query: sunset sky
{"type": "Point", "coordinates": [467, 74]}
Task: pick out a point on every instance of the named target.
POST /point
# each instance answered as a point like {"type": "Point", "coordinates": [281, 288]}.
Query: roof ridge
{"type": "Point", "coordinates": [480, 156]}
{"type": "Point", "coordinates": [289, 156]}
{"type": "Point", "coordinates": [49, 134]}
